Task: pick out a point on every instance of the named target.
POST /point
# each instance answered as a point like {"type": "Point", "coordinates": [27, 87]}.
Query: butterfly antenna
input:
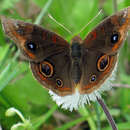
{"type": "Point", "coordinates": [50, 16]}
{"type": "Point", "coordinates": [91, 20]}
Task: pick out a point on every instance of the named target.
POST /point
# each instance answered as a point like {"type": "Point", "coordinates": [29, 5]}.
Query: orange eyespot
{"type": "Point", "coordinates": [103, 62]}
{"type": "Point", "coordinates": [59, 82]}
{"type": "Point", "coordinates": [93, 78]}
{"type": "Point", "coordinates": [46, 69]}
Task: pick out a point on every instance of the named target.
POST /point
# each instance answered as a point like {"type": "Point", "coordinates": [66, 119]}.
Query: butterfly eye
{"type": "Point", "coordinates": [93, 78]}
{"type": "Point", "coordinates": [103, 63]}
{"type": "Point", "coordinates": [31, 46]}
{"type": "Point", "coordinates": [59, 83]}
{"type": "Point", "coordinates": [46, 69]}
{"type": "Point", "coordinates": [114, 38]}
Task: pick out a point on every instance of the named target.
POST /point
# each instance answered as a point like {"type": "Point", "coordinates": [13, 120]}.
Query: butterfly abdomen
{"type": "Point", "coordinates": [76, 72]}
{"type": "Point", "coordinates": [76, 57]}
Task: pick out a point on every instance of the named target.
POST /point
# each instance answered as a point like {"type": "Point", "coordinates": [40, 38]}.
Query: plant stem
{"type": "Point", "coordinates": [121, 85]}
{"type": "Point", "coordinates": [109, 117]}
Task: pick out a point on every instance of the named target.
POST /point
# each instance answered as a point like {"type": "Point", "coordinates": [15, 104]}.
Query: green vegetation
{"type": "Point", "coordinates": [18, 88]}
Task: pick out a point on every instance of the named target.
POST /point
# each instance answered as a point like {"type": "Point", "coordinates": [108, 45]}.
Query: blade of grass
{"type": "Point", "coordinates": [98, 116]}
{"type": "Point", "coordinates": [85, 112]}
{"type": "Point", "coordinates": [43, 12]}
{"type": "Point", "coordinates": [6, 76]}
{"type": "Point", "coordinates": [42, 119]}
{"type": "Point", "coordinates": [4, 82]}
{"type": "Point", "coordinates": [71, 124]}
{"type": "Point", "coordinates": [5, 57]}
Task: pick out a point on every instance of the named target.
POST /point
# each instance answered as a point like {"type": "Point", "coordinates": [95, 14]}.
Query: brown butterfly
{"type": "Point", "coordinates": [63, 68]}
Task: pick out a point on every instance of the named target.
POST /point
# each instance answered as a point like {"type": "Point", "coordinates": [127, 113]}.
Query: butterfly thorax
{"type": "Point", "coordinates": [76, 60]}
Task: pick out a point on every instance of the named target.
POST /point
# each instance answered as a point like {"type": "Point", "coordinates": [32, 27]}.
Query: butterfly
{"type": "Point", "coordinates": [65, 68]}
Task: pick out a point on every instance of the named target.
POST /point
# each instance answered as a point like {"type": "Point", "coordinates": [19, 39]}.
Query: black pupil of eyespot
{"type": "Point", "coordinates": [59, 83]}
{"type": "Point", "coordinates": [103, 63]}
{"type": "Point", "coordinates": [46, 69]}
{"type": "Point", "coordinates": [93, 78]}
{"type": "Point", "coordinates": [114, 38]}
{"type": "Point", "coordinates": [31, 46]}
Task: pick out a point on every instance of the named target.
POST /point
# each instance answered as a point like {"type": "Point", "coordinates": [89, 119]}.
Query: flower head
{"type": "Point", "coordinates": [77, 100]}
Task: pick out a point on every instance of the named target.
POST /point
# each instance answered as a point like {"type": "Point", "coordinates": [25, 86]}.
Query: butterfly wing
{"type": "Point", "coordinates": [48, 53]}
{"type": "Point", "coordinates": [100, 49]}
{"type": "Point", "coordinates": [109, 35]}
{"type": "Point", "coordinates": [34, 42]}
{"type": "Point", "coordinates": [54, 73]}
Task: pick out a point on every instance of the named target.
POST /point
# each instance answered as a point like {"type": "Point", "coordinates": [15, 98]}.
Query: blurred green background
{"type": "Point", "coordinates": [19, 89]}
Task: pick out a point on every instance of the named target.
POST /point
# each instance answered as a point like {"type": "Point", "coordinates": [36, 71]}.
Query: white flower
{"type": "Point", "coordinates": [79, 100]}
